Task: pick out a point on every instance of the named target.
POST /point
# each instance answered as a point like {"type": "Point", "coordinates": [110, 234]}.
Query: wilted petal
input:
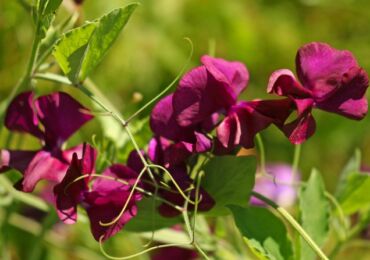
{"type": "Point", "coordinates": [44, 166]}
{"type": "Point", "coordinates": [349, 100]}
{"type": "Point", "coordinates": [21, 116]}
{"type": "Point", "coordinates": [61, 116]}
{"type": "Point", "coordinates": [300, 129]}
{"type": "Point", "coordinates": [69, 193]}
{"type": "Point", "coordinates": [18, 160]}
{"type": "Point", "coordinates": [163, 122]}
{"type": "Point", "coordinates": [321, 67]}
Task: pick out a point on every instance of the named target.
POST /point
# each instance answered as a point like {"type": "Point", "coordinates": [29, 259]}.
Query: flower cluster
{"type": "Point", "coordinates": [203, 115]}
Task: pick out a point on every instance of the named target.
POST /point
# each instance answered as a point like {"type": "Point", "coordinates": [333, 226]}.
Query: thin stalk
{"type": "Point", "coordinates": [261, 149]}
{"type": "Point", "coordinates": [285, 214]}
{"type": "Point", "coordinates": [296, 158]}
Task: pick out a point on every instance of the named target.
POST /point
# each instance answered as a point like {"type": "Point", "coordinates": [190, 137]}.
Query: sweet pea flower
{"type": "Point", "coordinates": [178, 253]}
{"type": "Point", "coordinates": [246, 119]}
{"type": "Point", "coordinates": [278, 185]}
{"type": "Point", "coordinates": [61, 116]}
{"type": "Point", "coordinates": [194, 108]}
{"type": "Point", "coordinates": [105, 199]}
{"type": "Point", "coordinates": [329, 79]}
{"type": "Point", "coordinates": [162, 152]}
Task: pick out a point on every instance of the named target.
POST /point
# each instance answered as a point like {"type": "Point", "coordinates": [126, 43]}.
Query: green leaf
{"type": "Point", "coordinates": [71, 48]}
{"type": "Point", "coordinates": [264, 232]}
{"type": "Point", "coordinates": [314, 209]}
{"type": "Point", "coordinates": [148, 218]}
{"type": "Point", "coordinates": [80, 50]}
{"type": "Point", "coordinates": [355, 195]}
{"type": "Point", "coordinates": [108, 28]}
{"type": "Point", "coordinates": [229, 180]}
{"type": "Point", "coordinates": [353, 165]}
{"type": "Point", "coordinates": [52, 6]}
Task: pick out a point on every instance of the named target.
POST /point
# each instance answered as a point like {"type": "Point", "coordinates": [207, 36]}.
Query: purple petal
{"type": "Point", "coordinates": [44, 166]}
{"type": "Point", "coordinates": [21, 116]}
{"type": "Point", "coordinates": [18, 160]}
{"type": "Point", "coordinates": [107, 198]}
{"type": "Point", "coordinates": [233, 74]}
{"type": "Point", "coordinates": [68, 193]}
{"type": "Point", "coordinates": [177, 253]}
{"type": "Point", "coordinates": [247, 119]}
{"type": "Point", "coordinates": [300, 129]}
{"type": "Point", "coordinates": [134, 161]}
{"type": "Point", "coordinates": [163, 122]}
{"type": "Point", "coordinates": [283, 83]}
{"type": "Point", "coordinates": [61, 116]}
{"type": "Point", "coordinates": [208, 89]}
{"type": "Point", "coordinates": [102, 209]}
{"type": "Point", "coordinates": [321, 67]}
{"type": "Point", "coordinates": [349, 100]}
{"type": "Point", "coordinates": [203, 143]}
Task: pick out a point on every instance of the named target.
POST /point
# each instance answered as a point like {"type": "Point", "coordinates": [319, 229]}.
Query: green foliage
{"type": "Point", "coordinates": [314, 209]}
{"type": "Point", "coordinates": [80, 50]}
{"type": "Point", "coordinates": [229, 180]}
{"type": "Point", "coordinates": [353, 165]}
{"type": "Point", "coordinates": [356, 194]}
{"type": "Point", "coordinates": [265, 233]}
{"type": "Point", "coordinates": [148, 218]}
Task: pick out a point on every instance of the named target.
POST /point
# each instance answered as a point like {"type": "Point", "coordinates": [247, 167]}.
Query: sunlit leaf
{"type": "Point", "coordinates": [229, 180]}
{"type": "Point", "coordinates": [356, 193]}
{"type": "Point", "coordinates": [314, 210]}
{"type": "Point", "coordinates": [80, 50]}
{"type": "Point", "coordinates": [264, 232]}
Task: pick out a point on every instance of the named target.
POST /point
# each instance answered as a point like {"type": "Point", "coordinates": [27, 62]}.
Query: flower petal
{"type": "Point", "coordinates": [233, 74]}
{"type": "Point", "coordinates": [61, 116]}
{"type": "Point", "coordinates": [43, 166]}
{"type": "Point", "coordinates": [208, 89]}
{"type": "Point", "coordinates": [349, 100]}
{"type": "Point", "coordinates": [283, 83]}
{"type": "Point", "coordinates": [69, 193]}
{"type": "Point", "coordinates": [163, 122]}
{"type": "Point", "coordinates": [300, 129]}
{"type": "Point", "coordinates": [21, 116]}
{"type": "Point", "coordinates": [320, 67]}
{"type": "Point", "coordinates": [18, 160]}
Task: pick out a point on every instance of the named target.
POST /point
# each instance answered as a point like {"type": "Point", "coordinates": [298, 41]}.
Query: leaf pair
{"type": "Point", "coordinates": [80, 50]}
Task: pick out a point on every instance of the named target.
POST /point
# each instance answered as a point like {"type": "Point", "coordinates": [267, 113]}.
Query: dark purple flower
{"type": "Point", "coordinates": [68, 193]}
{"type": "Point", "coordinates": [60, 116]}
{"type": "Point", "coordinates": [330, 80]}
{"type": "Point", "coordinates": [181, 176]}
{"type": "Point", "coordinates": [106, 199]}
{"type": "Point", "coordinates": [246, 119]}
{"type": "Point", "coordinates": [208, 89]}
{"type": "Point", "coordinates": [278, 185]}
{"type": "Point", "coordinates": [178, 253]}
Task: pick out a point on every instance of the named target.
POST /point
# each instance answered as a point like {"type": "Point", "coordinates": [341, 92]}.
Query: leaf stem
{"type": "Point", "coordinates": [285, 214]}
{"type": "Point", "coordinates": [261, 149]}
{"type": "Point", "coordinates": [296, 159]}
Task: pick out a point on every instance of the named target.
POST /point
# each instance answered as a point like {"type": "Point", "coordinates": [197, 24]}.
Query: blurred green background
{"type": "Point", "coordinates": [263, 34]}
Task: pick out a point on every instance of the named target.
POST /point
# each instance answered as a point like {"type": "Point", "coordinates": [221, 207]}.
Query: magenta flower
{"type": "Point", "coordinates": [330, 80]}
{"type": "Point", "coordinates": [106, 199]}
{"type": "Point", "coordinates": [177, 253]}
{"type": "Point", "coordinates": [278, 185]}
{"type": "Point", "coordinates": [193, 109]}
{"type": "Point", "coordinates": [103, 201]}
{"type": "Point", "coordinates": [247, 118]}
{"type": "Point", "coordinates": [61, 116]}
{"type": "Point", "coordinates": [69, 194]}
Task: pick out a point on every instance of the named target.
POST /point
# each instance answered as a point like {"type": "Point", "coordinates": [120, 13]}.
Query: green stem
{"type": "Point", "coordinates": [285, 214]}
{"type": "Point", "coordinates": [261, 149]}
{"type": "Point", "coordinates": [296, 158]}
